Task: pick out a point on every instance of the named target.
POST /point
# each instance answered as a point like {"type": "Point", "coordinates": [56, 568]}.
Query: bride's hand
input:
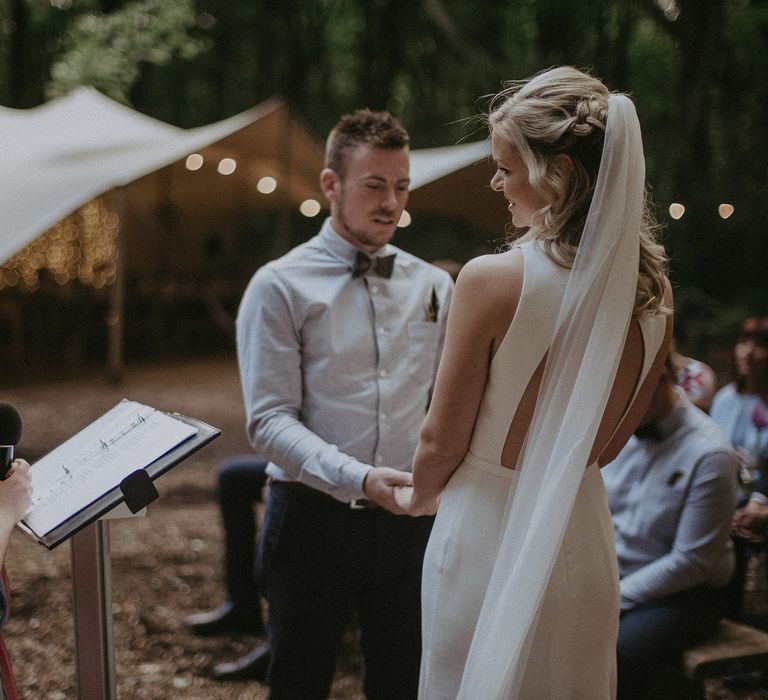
{"type": "Point", "coordinates": [404, 496]}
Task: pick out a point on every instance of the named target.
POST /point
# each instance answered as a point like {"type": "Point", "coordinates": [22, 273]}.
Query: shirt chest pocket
{"type": "Point", "coordinates": [423, 339]}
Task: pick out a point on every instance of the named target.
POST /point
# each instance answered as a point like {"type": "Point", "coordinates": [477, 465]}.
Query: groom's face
{"type": "Point", "coordinates": [368, 198]}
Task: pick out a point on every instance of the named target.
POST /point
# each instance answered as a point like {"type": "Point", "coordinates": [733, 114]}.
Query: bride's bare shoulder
{"type": "Point", "coordinates": [496, 271]}
{"type": "Point", "coordinates": [488, 287]}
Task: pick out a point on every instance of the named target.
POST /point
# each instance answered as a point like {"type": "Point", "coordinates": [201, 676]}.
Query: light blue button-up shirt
{"type": "Point", "coordinates": [337, 372]}
{"type": "Point", "coordinates": [672, 502]}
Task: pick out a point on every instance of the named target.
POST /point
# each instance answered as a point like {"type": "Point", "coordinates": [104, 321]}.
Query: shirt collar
{"type": "Point", "coordinates": [341, 249]}
{"type": "Point", "coordinates": [674, 419]}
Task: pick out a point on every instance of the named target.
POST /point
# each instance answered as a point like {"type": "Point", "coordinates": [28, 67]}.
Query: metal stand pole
{"type": "Point", "coordinates": [92, 592]}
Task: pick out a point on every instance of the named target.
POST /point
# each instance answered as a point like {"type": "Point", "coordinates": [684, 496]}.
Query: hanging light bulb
{"type": "Point", "coordinates": [310, 208]}
{"type": "Point", "coordinates": [227, 166]}
{"type": "Point", "coordinates": [266, 185]}
{"type": "Point", "coordinates": [725, 210]}
{"type": "Point", "coordinates": [194, 161]}
{"type": "Point", "coordinates": [676, 210]}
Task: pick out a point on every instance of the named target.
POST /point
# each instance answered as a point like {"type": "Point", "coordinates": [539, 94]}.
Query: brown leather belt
{"type": "Point", "coordinates": [308, 492]}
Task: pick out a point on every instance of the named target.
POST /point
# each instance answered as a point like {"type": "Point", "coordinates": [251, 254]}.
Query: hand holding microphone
{"type": "Point", "coordinates": [10, 434]}
{"type": "Point", "coordinates": [15, 494]}
{"type": "Point", "coordinates": [16, 484]}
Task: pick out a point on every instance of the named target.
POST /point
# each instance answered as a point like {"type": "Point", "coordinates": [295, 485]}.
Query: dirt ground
{"type": "Point", "coordinates": [165, 565]}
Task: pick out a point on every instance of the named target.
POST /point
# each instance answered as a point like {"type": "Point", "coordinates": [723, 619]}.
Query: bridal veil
{"type": "Point", "coordinates": [580, 370]}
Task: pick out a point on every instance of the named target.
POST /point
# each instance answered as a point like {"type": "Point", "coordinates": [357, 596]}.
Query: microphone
{"type": "Point", "coordinates": [10, 433]}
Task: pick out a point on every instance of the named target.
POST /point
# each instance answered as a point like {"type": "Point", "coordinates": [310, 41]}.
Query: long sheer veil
{"type": "Point", "coordinates": [579, 374]}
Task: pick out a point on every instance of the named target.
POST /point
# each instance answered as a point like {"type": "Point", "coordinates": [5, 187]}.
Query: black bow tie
{"type": "Point", "coordinates": [649, 432]}
{"type": "Point", "coordinates": [382, 266]}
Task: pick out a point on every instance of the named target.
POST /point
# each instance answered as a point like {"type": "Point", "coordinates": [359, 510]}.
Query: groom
{"type": "Point", "coordinates": [338, 345]}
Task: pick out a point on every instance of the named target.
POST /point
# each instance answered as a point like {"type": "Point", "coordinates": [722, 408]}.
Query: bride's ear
{"type": "Point", "coordinates": [564, 162]}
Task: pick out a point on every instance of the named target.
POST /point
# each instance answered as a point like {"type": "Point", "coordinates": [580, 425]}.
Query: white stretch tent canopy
{"type": "Point", "coordinates": [454, 182]}
{"type": "Point", "coordinates": [60, 155]}
{"type": "Point", "coordinates": [430, 164]}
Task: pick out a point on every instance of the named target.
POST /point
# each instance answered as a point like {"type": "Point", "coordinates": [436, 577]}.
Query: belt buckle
{"type": "Point", "coordinates": [359, 504]}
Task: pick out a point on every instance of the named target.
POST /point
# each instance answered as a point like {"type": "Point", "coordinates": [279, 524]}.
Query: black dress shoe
{"type": "Point", "coordinates": [251, 667]}
{"type": "Point", "coordinates": [225, 618]}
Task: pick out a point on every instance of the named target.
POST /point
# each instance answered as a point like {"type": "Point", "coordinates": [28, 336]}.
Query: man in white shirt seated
{"type": "Point", "coordinates": [672, 494]}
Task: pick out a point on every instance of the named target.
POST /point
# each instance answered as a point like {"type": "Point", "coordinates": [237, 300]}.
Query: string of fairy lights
{"type": "Point", "coordinates": [724, 210]}
{"type": "Point", "coordinates": [267, 184]}
{"type": "Point", "coordinates": [82, 247]}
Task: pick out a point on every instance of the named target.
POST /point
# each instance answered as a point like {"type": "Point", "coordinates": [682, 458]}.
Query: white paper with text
{"type": "Point", "coordinates": [128, 437]}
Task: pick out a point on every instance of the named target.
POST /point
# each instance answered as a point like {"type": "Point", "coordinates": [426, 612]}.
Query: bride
{"type": "Point", "coordinates": [553, 349]}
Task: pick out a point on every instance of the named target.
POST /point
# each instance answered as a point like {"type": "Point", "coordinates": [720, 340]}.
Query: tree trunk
{"type": "Point", "coordinates": [700, 44]}
{"type": "Point", "coordinates": [19, 72]}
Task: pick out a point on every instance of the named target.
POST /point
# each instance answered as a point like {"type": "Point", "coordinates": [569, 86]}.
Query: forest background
{"type": "Point", "coordinates": [697, 69]}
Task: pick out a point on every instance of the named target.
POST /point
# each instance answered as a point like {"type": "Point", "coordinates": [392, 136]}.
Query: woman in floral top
{"type": "Point", "coordinates": [741, 409]}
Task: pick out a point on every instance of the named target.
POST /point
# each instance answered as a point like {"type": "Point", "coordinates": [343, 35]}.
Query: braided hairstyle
{"type": "Point", "coordinates": [563, 111]}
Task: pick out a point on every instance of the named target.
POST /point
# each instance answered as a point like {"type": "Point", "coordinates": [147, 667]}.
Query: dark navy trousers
{"type": "Point", "coordinates": [653, 635]}
{"type": "Point", "coordinates": [323, 565]}
{"type": "Point", "coordinates": [240, 483]}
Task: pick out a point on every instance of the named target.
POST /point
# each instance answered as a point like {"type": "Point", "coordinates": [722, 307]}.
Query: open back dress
{"type": "Point", "coordinates": [574, 645]}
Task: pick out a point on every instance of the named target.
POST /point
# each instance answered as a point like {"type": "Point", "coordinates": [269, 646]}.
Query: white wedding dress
{"type": "Point", "coordinates": [572, 641]}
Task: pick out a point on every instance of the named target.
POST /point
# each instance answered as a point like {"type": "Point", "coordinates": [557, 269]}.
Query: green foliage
{"type": "Point", "coordinates": [699, 79]}
{"type": "Point", "coordinates": [107, 51]}
{"type": "Point", "coordinates": [702, 319]}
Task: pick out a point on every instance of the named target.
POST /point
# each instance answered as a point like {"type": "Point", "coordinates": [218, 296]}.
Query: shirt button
{"type": "Point", "coordinates": [374, 289]}
{"type": "Point", "coordinates": [383, 416]}
{"type": "Point", "coordinates": [382, 329]}
{"type": "Point", "coordinates": [382, 373]}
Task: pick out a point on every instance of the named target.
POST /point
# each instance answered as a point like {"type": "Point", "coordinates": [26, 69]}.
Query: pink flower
{"type": "Point", "coordinates": [760, 415]}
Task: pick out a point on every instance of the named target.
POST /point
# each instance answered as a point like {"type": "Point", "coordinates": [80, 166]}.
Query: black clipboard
{"type": "Point", "coordinates": [136, 491]}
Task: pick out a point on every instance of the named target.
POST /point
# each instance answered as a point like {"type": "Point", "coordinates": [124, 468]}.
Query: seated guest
{"type": "Point", "coordinates": [240, 483]}
{"type": "Point", "coordinates": [672, 493]}
{"type": "Point", "coordinates": [698, 380]}
{"type": "Point", "coordinates": [740, 408]}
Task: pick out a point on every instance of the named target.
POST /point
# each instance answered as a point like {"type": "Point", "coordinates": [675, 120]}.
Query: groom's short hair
{"type": "Point", "coordinates": [363, 127]}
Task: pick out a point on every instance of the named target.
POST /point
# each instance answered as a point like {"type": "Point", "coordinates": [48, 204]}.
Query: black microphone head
{"type": "Point", "coordinates": [10, 424]}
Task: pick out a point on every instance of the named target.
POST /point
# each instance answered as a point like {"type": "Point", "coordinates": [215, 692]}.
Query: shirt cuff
{"type": "Point", "coordinates": [760, 498]}
{"type": "Point", "coordinates": [627, 604]}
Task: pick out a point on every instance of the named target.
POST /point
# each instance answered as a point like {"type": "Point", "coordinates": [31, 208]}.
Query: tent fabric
{"type": "Point", "coordinates": [430, 164]}
{"type": "Point", "coordinates": [60, 155]}
{"type": "Point", "coordinates": [64, 153]}
{"type": "Point", "coordinates": [453, 182]}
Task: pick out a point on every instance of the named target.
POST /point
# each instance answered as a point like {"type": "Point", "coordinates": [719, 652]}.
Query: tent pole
{"type": "Point", "coordinates": [115, 314]}
{"type": "Point", "coordinates": [281, 242]}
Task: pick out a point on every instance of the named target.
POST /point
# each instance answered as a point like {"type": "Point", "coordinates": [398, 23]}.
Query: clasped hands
{"type": "Point", "coordinates": [393, 490]}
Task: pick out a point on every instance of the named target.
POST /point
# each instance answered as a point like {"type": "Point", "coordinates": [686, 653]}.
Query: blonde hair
{"type": "Point", "coordinates": [563, 111]}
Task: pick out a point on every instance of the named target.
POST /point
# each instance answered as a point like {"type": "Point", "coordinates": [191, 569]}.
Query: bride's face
{"type": "Point", "coordinates": [511, 178]}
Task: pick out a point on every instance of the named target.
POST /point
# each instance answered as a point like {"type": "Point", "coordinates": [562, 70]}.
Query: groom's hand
{"type": "Point", "coordinates": [380, 484]}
